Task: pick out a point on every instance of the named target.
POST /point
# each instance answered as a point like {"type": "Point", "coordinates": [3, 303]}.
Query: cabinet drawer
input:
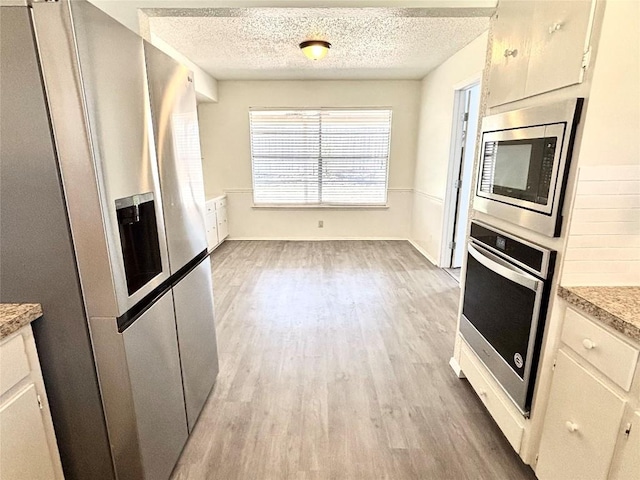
{"type": "Point", "coordinates": [210, 207]}
{"type": "Point", "coordinates": [14, 364]}
{"type": "Point", "coordinates": [609, 354]}
{"type": "Point", "coordinates": [509, 421]}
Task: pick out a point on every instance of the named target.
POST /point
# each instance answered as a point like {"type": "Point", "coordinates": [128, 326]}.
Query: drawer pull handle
{"type": "Point", "coordinates": [482, 393]}
{"type": "Point", "coordinates": [572, 427]}
{"type": "Point", "coordinates": [511, 53]}
{"type": "Point", "coordinates": [588, 344]}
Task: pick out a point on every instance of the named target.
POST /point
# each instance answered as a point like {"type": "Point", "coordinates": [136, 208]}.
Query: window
{"type": "Point", "coordinates": [320, 157]}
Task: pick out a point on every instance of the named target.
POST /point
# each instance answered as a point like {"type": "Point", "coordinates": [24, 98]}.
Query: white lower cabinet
{"type": "Point", "coordinates": [216, 221]}
{"type": "Point", "coordinates": [628, 467]}
{"type": "Point", "coordinates": [510, 421]}
{"type": "Point", "coordinates": [23, 440]}
{"type": "Point", "coordinates": [581, 425]}
{"type": "Point", "coordinates": [212, 229]}
{"type": "Point", "coordinates": [28, 448]}
{"type": "Point", "coordinates": [223, 226]}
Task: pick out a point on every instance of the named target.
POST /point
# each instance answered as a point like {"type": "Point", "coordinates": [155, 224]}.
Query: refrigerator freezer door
{"type": "Point", "coordinates": [156, 385]}
{"type": "Point", "coordinates": [175, 124]}
{"type": "Point", "coordinates": [95, 79]}
{"type": "Point", "coordinates": [193, 298]}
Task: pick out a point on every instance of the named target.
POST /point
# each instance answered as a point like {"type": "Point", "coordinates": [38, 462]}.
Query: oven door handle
{"type": "Point", "coordinates": [504, 268]}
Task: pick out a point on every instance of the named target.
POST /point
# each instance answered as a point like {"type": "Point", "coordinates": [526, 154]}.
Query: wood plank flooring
{"type": "Point", "coordinates": [334, 365]}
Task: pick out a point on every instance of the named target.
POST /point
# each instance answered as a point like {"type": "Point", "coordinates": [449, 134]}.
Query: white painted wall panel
{"type": "Point", "coordinates": [249, 223]}
{"type": "Point", "coordinates": [428, 215]}
{"type": "Point", "coordinates": [434, 142]}
{"type": "Point", "coordinates": [604, 236]}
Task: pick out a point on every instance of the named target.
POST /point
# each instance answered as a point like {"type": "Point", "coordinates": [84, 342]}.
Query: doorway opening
{"type": "Point", "coordinates": [458, 194]}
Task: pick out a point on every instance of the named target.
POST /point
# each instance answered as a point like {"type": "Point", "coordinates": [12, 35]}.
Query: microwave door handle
{"type": "Point", "coordinates": [503, 268]}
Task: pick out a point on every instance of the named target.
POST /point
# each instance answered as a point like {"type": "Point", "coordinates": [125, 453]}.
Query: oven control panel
{"type": "Point", "coordinates": [533, 257]}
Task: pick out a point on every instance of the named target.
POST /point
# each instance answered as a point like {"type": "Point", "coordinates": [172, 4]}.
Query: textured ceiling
{"type": "Point", "coordinates": [367, 43]}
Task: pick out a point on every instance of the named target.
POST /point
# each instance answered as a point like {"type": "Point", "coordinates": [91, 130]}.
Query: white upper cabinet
{"type": "Point", "coordinates": [560, 36]}
{"type": "Point", "coordinates": [538, 46]}
{"type": "Point", "coordinates": [510, 51]}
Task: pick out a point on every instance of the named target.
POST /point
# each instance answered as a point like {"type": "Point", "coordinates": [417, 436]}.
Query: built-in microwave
{"type": "Point", "coordinates": [523, 166]}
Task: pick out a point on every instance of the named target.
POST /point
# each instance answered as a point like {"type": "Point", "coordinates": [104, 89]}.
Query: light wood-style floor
{"type": "Point", "coordinates": [334, 365]}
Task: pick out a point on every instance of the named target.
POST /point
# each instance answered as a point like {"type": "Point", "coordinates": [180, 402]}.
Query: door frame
{"type": "Point", "coordinates": [455, 162]}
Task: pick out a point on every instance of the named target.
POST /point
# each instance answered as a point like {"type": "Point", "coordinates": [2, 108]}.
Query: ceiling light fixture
{"type": "Point", "coordinates": [315, 49]}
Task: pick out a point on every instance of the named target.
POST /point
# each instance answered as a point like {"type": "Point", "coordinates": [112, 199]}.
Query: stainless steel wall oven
{"type": "Point", "coordinates": [505, 302]}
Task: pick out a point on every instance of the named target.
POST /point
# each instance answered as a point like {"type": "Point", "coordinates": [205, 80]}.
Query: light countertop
{"type": "Point", "coordinates": [618, 307]}
{"type": "Point", "coordinates": [14, 316]}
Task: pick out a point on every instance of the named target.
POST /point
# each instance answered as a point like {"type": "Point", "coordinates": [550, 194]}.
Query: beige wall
{"type": "Point", "coordinates": [612, 120]}
{"type": "Point", "coordinates": [434, 143]}
{"type": "Point", "coordinates": [224, 132]}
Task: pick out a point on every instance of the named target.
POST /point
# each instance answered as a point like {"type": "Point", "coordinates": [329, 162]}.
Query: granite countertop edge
{"type": "Point", "coordinates": [14, 316]}
{"type": "Point", "coordinates": [629, 326]}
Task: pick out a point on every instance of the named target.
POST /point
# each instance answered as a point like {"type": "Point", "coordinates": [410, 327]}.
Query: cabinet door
{"type": "Point", "coordinates": [212, 229]}
{"type": "Point", "coordinates": [510, 51]}
{"type": "Point", "coordinates": [223, 228]}
{"type": "Point", "coordinates": [559, 34]}
{"type": "Point", "coordinates": [580, 427]}
{"type": "Point", "coordinates": [629, 466]}
{"type": "Point", "coordinates": [23, 443]}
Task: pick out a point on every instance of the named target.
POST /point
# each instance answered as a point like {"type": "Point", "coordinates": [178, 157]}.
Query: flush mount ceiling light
{"type": "Point", "coordinates": [315, 49]}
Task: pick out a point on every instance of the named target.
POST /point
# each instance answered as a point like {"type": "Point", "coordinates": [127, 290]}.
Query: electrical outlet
{"type": "Point", "coordinates": [320, 224]}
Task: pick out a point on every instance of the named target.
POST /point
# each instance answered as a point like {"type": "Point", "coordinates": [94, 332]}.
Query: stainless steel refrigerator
{"type": "Point", "coordinates": [102, 222]}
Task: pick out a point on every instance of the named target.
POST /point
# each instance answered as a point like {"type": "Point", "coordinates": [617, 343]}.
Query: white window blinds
{"type": "Point", "coordinates": [320, 157]}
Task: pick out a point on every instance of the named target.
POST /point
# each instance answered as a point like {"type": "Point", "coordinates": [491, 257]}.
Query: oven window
{"type": "Point", "coordinates": [501, 310]}
{"type": "Point", "coordinates": [519, 169]}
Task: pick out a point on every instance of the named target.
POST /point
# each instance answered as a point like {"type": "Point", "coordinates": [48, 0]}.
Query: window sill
{"type": "Point", "coordinates": [319, 207]}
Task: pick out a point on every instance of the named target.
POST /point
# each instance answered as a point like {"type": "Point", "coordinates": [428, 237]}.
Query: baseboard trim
{"type": "Point", "coordinates": [318, 239]}
{"type": "Point", "coordinates": [455, 366]}
{"type": "Point", "coordinates": [423, 252]}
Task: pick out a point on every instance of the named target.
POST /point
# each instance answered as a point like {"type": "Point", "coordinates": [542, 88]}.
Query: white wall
{"type": "Point", "coordinates": [603, 247]}
{"type": "Point", "coordinates": [434, 143]}
{"type": "Point", "coordinates": [224, 133]}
